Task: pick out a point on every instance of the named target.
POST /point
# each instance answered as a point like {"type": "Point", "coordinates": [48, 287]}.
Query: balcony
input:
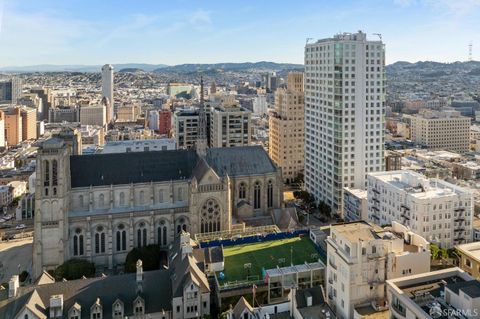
{"type": "Point", "coordinates": [375, 199]}
{"type": "Point", "coordinates": [405, 216]}
{"type": "Point", "coordinates": [376, 191]}
{"type": "Point", "coordinates": [459, 209]}
{"type": "Point", "coordinates": [459, 219]}
{"type": "Point", "coordinates": [374, 216]}
{"type": "Point", "coordinates": [404, 207]}
{"type": "Point", "coordinates": [458, 229]}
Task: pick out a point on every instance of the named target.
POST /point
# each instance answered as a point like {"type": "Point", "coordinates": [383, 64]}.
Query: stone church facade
{"type": "Point", "coordinates": [99, 207]}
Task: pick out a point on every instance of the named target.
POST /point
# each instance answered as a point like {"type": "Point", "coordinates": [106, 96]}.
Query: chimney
{"type": "Point", "coordinates": [185, 244]}
{"type": "Point", "coordinates": [309, 299]}
{"type": "Point", "coordinates": [56, 306]}
{"type": "Point", "coordinates": [13, 285]}
{"type": "Point", "coordinates": [139, 275]}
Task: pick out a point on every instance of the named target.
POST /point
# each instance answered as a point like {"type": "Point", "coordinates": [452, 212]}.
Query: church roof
{"type": "Point", "coordinates": [240, 161]}
{"type": "Point", "coordinates": [134, 167]}
{"type": "Point", "coordinates": [171, 165]}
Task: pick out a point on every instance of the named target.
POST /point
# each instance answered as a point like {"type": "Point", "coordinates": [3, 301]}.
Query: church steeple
{"type": "Point", "coordinates": [201, 143]}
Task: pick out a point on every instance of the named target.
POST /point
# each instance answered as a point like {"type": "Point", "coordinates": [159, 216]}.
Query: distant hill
{"type": "Point", "coordinates": [131, 70]}
{"type": "Point", "coordinates": [262, 65]}
{"type": "Point", "coordinates": [435, 69]}
{"type": "Point", "coordinates": [80, 68]}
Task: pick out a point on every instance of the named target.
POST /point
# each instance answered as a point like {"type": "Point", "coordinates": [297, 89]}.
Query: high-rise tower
{"type": "Point", "coordinates": [344, 114]}
{"type": "Point", "coordinates": [201, 144]}
{"type": "Point", "coordinates": [107, 89]}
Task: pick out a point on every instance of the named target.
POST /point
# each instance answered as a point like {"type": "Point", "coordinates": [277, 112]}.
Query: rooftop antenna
{"type": "Point", "coordinates": [379, 35]}
{"type": "Point", "coordinates": [470, 49]}
{"type": "Point", "coordinates": [308, 39]}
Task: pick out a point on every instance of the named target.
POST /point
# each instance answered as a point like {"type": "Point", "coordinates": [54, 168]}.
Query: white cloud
{"type": "Point", "coordinates": [201, 20]}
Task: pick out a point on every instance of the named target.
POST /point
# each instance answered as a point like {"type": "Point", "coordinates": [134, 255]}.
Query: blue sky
{"type": "Point", "coordinates": [201, 31]}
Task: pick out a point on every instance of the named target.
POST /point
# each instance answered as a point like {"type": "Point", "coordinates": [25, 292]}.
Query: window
{"type": "Point", "coordinates": [162, 234]}
{"type": "Point", "coordinates": [100, 240]}
{"type": "Point", "coordinates": [122, 199]}
{"type": "Point", "coordinates": [101, 200]}
{"type": "Point", "coordinates": [121, 238]}
{"type": "Point", "coordinates": [180, 194]}
{"type": "Point", "coordinates": [181, 225]}
{"type": "Point", "coordinates": [141, 235]}
{"type": "Point", "coordinates": [160, 196]}
{"type": "Point", "coordinates": [78, 243]}
{"type": "Point", "coordinates": [118, 309]}
{"type": "Point", "coordinates": [54, 173]}
{"type": "Point", "coordinates": [242, 191]}
{"type": "Point", "coordinates": [142, 197]}
{"type": "Point", "coordinates": [46, 168]}
{"type": "Point", "coordinates": [210, 217]}
{"type": "Point", "coordinates": [270, 194]}
{"type": "Point", "coordinates": [138, 307]}
{"type": "Point", "coordinates": [256, 195]}
{"type": "Point", "coordinates": [81, 201]}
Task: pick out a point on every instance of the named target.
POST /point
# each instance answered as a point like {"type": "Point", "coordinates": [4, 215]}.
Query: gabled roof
{"type": "Point", "coordinates": [241, 305]}
{"type": "Point", "coordinates": [45, 278]}
{"type": "Point", "coordinates": [156, 291]}
{"type": "Point", "coordinates": [240, 161]}
{"type": "Point", "coordinates": [134, 167]}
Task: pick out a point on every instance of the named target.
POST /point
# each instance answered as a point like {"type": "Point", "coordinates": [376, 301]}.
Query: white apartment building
{"type": "Point", "coordinates": [344, 114]}
{"type": "Point", "coordinates": [441, 130]}
{"type": "Point", "coordinates": [354, 204]}
{"type": "Point", "coordinates": [437, 210]}
{"type": "Point", "coordinates": [230, 123]}
{"type": "Point", "coordinates": [161, 144]}
{"type": "Point", "coordinates": [448, 293]}
{"type": "Point", "coordinates": [360, 259]}
{"type": "Point", "coordinates": [260, 105]}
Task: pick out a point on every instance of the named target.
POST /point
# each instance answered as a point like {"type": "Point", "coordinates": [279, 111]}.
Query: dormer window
{"type": "Point", "coordinates": [117, 309]}
{"type": "Point", "coordinates": [138, 306]}
{"type": "Point", "coordinates": [96, 311]}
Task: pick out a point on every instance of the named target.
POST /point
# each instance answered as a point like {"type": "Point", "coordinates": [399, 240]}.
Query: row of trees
{"type": "Point", "coordinates": [310, 203]}
{"type": "Point", "coordinates": [77, 268]}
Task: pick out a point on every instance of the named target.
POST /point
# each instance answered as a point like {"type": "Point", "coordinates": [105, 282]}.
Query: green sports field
{"type": "Point", "coordinates": [265, 254]}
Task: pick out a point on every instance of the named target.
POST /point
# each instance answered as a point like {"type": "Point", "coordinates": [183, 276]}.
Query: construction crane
{"type": "Point", "coordinates": [470, 53]}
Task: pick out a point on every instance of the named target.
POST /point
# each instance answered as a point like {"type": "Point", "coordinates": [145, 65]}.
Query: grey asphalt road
{"type": "Point", "coordinates": [15, 256]}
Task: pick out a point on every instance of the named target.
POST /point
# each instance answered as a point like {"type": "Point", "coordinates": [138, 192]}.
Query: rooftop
{"type": "Point", "coordinates": [471, 250]}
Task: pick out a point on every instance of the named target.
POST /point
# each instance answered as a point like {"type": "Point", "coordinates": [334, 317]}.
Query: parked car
{"type": "Point", "coordinates": [20, 226]}
{"type": "Point", "coordinates": [2, 220]}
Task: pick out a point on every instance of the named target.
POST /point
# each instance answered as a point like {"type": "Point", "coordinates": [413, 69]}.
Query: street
{"type": "Point", "coordinates": [15, 256]}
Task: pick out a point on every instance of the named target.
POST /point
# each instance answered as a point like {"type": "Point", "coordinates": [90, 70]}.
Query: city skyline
{"type": "Point", "coordinates": [168, 33]}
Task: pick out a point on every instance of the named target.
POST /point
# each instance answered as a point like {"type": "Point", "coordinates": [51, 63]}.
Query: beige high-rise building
{"type": "Point", "coordinates": [2, 130]}
{"type": "Point", "coordinates": [13, 126]}
{"type": "Point", "coordinates": [286, 128]}
{"type": "Point", "coordinates": [93, 115]}
{"type": "Point", "coordinates": [29, 123]}
{"type": "Point", "coordinates": [446, 130]}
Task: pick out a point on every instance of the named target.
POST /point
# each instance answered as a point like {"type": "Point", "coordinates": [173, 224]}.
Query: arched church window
{"type": "Point", "coordinates": [270, 194]}
{"type": "Point", "coordinates": [46, 170]}
{"type": "Point", "coordinates": [121, 238]}
{"type": "Point", "coordinates": [242, 191]}
{"type": "Point", "coordinates": [122, 199]}
{"type": "Point", "coordinates": [141, 235]}
{"type": "Point", "coordinates": [210, 217]}
{"type": "Point", "coordinates": [182, 225]}
{"type": "Point", "coordinates": [256, 196]}
{"type": "Point", "coordinates": [162, 234]}
{"type": "Point", "coordinates": [100, 240]}
{"type": "Point", "coordinates": [78, 243]}
{"type": "Point", "coordinates": [54, 173]}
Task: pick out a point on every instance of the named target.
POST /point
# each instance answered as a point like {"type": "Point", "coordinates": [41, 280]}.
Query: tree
{"type": "Point", "coordinates": [324, 209]}
{"type": "Point", "coordinates": [74, 269]}
{"type": "Point", "coordinates": [150, 256]}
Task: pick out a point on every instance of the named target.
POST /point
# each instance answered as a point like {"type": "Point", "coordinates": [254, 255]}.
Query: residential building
{"type": "Point", "coordinates": [469, 258]}
{"type": "Point", "coordinates": [230, 123]}
{"type": "Point", "coordinates": [362, 257]}
{"type": "Point", "coordinates": [286, 128]}
{"type": "Point", "coordinates": [64, 114]}
{"type": "Point", "coordinates": [441, 130]}
{"type": "Point", "coordinates": [29, 123]}
{"type": "Point", "coordinates": [344, 114]}
{"type": "Point", "coordinates": [10, 90]}
{"type": "Point", "coordinates": [448, 293]}
{"type": "Point", "coordinates": [354, 204]}
{"type": "Point", "coordinates": [93, 115]}
{"type": "Point", "coordinates": [165, 123]}
{"type": "Point", "coordinates": [13, 126]}
{"type": "Point", "coordinates": [127, 113]}
{"type": "Point", "coordinates": [153, 120]}
{"type": "Point", "coordinates": [435, 209]}
{"type": "Point", "coordinates": [45, 94]}
{"type": "Point", "coordinates": [161, 144]}
{"type": "Point", "coordinates": [107, 90]}
{"type": "Point", "coordinates": [260, 105]}
{"type": "Point", "coordinates": [186, 127]}
{"type": "Point", "coordinates": [2, 130]}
